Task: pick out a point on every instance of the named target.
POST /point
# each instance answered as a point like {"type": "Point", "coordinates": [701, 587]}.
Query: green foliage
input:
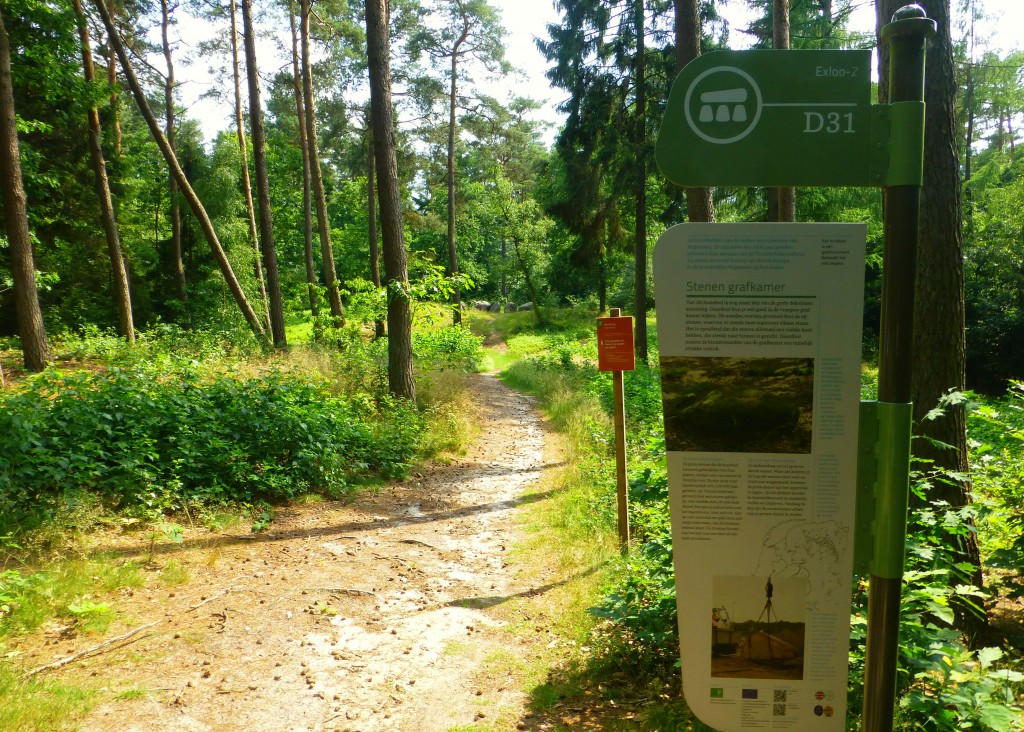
{"type": "Point", "coordinates": [147, 439]}
{"type": "Point", "coordinates": [943, 684]}
{"type": "Point", "coordinates": [447, 348]}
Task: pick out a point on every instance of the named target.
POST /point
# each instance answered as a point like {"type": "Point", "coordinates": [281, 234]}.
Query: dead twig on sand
{"type": "Point", "coordinates": [104, 646]}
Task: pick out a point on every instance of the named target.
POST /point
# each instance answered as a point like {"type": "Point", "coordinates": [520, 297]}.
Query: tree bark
{"type": "Point", "coordinates": [400, 366]}
{"type": "Point", "coordinates": [177, 265]}
{"type": "Point", "coordinates": [122, 294]}
{"type": "Point", "coordinates": [938, 346]}
{"type": "Point", "coordinates": [453, 258]}
{"type": "Point", "coordinates": [307, 198]}
{"type": "Point", "coordinates": [186, 189]}
{"type": "Point", "coordinates": [316, 175]}
{"type": "Point", "coordinates": [781, 201]}
{"type": "Point", "coordinates": [640, 148]}
{"type": "Point", "coordinates": [250, 208]}
{"type": "Point", "coordinates": [112, 81]}
{"type": "Point", "coordinates": [259, 154]}
{"type": "Point", "coordinates": [34, 346]}
{"type": "Point", "coordinates": [687, 32]}
{"type": "Point", "coordinates": [371, 222]}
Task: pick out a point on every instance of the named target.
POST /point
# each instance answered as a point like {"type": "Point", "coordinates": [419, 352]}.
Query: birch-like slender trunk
{"type": "Point", "coordinates": [640, 147]}
{"type": "Point", "coordinates": [316, 175]}
{"type": "Point", "coordinates": [122, 294]}
{"type": "Point", "coordinates": [307, 199]}
{"type": "Point", "coordinates": [177, 265]}
{"type": "Point", "coordinates": [179, 175]}
{"type": "Point", "coordinates": [243, 149]}
{"type": "Point", "coordinates": [259, 155]}
{"type": "Point", "coordinates": [453, 255]}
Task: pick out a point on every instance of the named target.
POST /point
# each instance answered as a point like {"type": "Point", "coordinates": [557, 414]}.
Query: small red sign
{"type": "Point", "coordinates": [615, 344]}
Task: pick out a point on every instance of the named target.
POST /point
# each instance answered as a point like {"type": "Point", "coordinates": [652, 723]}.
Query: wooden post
{"type": "Point", "coordinates": [622, 486]}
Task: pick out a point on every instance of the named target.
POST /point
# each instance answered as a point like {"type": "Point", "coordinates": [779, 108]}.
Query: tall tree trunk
{"type": "Point", "coordinates": [177, 266]}
{"type": "Point", "coordinates": [640, 150]}
{"type": "Point", "coordinates": [938, 347]}
{"type": "Point", "coordinates": [453, 257]}
{"type": "Point", "coordinates": [122, 295]}
{"type": "Point", "coordinates": [250, 208]}
{"type": "Point", "coordinates": [259, 155]}
{"type": "Point", "coordinates": [34, 346]}
{"type": "Point", "coordinates": [179, 175]}
{"type": "Point", "coordinates": [602, 283]}
{"type": "Point", "coordinates": [969, 142]}
{"type": "Point", "coordinates": [781, 201]}
{"type": "Point", "coordinates": [307, 198]}
{"type": "Point", "coordinates": [400, 373]}
{"type": "Point", "coordinates": [115, 120]}
{"type": "Point", "coordinates": [316, 175]}
{"type": "Point", "coordinates": [688, 33]}
{"type": "Point", "coordinates": [371, 221]}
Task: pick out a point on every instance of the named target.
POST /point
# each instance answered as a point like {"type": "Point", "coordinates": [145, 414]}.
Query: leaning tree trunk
{"type": "Point", "coordinates": [34, 346]}
{"type": "Point", "coordinates": [371, 219]}
{"type": "Point", "coordinates": [250, 208]}
{"type": "Point", "coordinates": [122, 295]}
{"type": "Point", "coordinates": [316, 175]}
{"type": "Point", "coordinates": [938, 330]}
{"type": "Point", "coordinates": [781, 201]}
{"type": "Point", "coordinates": [112, 82]}
{"type": "Point", "coordinates": [400, 373]}
{"type": "Point", "coordinates": [453, 256]}
{"type": "Point", "coordinates": [186, 189]}
{"type": "Point", "coordinates": [687, 33]}
{"type": "Point", "coordinates": [259, 154]}
{"type": "Point", "coordinates": [640, 148]}
{"type": "Point", "coordinates": [177, 265]}
{"type": "Point", "coordinates": [307, 199]}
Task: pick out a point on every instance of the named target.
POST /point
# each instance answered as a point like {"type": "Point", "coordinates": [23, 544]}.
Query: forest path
{"type": "Point", "coordinates": [376, 613]}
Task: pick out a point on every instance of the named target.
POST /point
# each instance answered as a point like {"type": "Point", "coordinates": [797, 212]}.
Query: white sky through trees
{"type": "Point", "coordinates": [526, 20]}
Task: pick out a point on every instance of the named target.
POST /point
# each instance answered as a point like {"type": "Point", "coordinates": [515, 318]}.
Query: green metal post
{"type": "Point", "coordinates": [907, 36]}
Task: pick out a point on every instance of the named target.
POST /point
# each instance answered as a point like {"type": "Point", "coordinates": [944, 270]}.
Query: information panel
{"type": "Point", "coordinates": [615, 344]}
{"type": "Point", "coordinates": [759, 328]}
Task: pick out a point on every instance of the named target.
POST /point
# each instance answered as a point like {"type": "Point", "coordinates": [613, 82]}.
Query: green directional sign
{"type": "Point", "coordinates": [774, 118]}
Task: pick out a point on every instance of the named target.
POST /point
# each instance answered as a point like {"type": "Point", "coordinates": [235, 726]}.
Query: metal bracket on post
{"type": "Point", "coordinates": [883, 489]}
{"type": "Point", "coordinates": [897, 155]}
{"type": "Point", "coordinates": [867, 480]}
{"type": "Point", "coordinates": [895, 422]}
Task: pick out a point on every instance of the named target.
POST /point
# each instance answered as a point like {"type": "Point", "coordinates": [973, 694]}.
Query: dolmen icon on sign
{"type": "Point", "coordinates": [723, 99]}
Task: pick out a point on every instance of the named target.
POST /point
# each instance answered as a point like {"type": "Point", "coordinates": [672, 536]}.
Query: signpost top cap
{"type": "Point", "coordinates": [909, 11]}
{"type": "Point", "coordinates": [909, 20]}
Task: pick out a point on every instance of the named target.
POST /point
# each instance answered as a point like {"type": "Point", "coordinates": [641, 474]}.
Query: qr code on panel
{"type": "Point", "coordinates": [780, 695]}
{"type": "Point", "coordinates": [778, 710]}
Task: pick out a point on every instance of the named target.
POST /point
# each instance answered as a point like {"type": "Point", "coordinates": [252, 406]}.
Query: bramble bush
{"type": "Point", "coordinates": [146, 440]}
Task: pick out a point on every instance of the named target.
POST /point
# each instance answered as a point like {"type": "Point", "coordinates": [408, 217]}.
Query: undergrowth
{"type": "Point", "coordinates": [943, 684]}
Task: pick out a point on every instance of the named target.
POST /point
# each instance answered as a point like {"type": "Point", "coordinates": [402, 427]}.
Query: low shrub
{"type": "Point", "coordinates": [146, 441]}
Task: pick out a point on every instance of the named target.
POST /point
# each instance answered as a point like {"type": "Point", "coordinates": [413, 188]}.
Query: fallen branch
{"type": "Point", "coordinates": [89, 651]}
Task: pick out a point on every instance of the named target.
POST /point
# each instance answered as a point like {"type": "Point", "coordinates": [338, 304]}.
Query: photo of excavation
{"type": "Point", "coordinates": [717, 404]}
{"type": "Point", "coordinates": [758, 627]}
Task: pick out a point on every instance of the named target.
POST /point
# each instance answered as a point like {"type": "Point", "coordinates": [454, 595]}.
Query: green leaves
{"type": "Point", "coordinates": [147, 440]}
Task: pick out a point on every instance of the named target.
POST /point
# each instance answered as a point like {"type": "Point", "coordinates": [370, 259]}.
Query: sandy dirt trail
{"type": "Point", "coordinates": [376, 613]}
